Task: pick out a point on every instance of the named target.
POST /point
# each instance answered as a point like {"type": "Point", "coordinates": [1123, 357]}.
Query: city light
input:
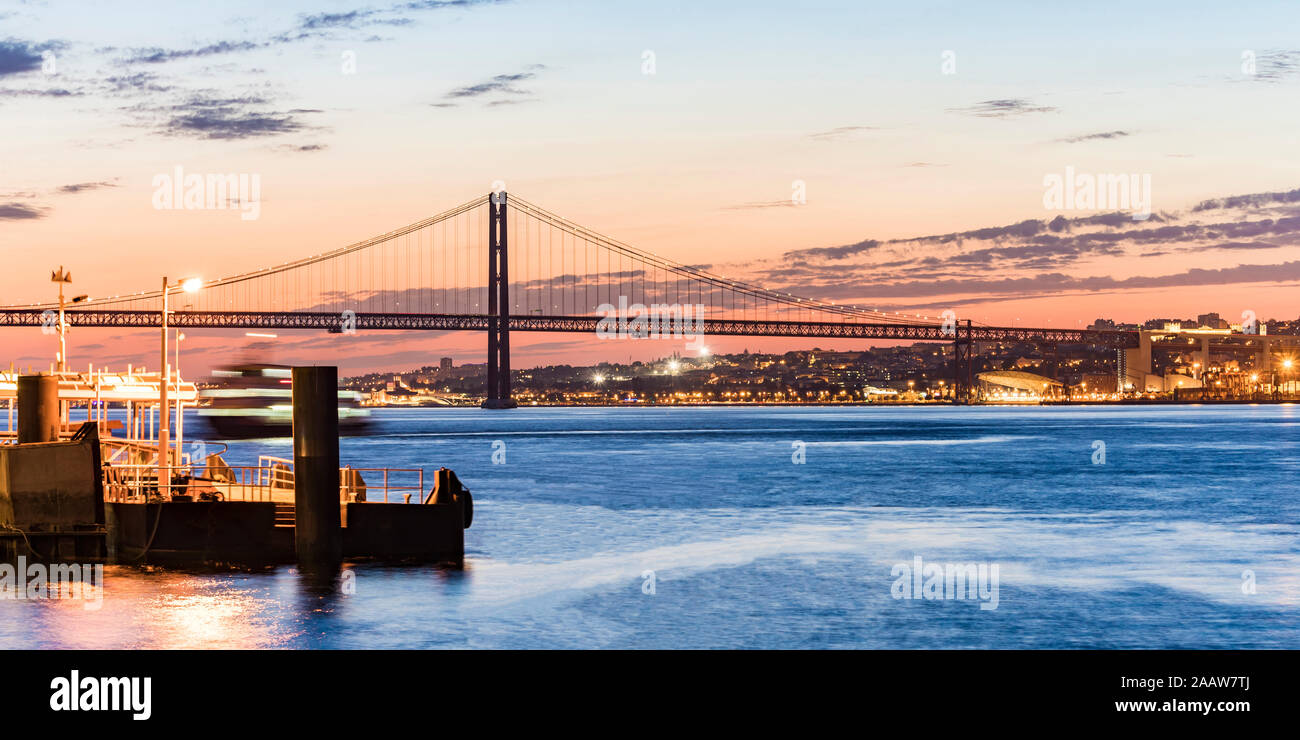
{"type": "Point", "coordinates": [598, 379]}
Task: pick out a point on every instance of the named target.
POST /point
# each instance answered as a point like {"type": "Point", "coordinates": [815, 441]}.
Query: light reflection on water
{"type": "Point", "coordinates": [749, 549]}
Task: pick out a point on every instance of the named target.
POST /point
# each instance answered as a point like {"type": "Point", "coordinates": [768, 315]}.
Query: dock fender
{"type": "Point", "coordinates": [467, 505]}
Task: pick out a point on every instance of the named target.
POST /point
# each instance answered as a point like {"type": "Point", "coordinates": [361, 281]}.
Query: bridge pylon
{"type": "Point", "coordinates": [498, 370]}
{"type": "Point", "coordinates": [963, 364]}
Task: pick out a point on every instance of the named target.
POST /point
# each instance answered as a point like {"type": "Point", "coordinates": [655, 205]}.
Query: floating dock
{"type": "Point", "coordinates": [76, 493]}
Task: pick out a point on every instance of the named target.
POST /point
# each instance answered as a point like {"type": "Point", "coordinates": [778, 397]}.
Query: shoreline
{"type": "Point", "coordinates": [882, 404]}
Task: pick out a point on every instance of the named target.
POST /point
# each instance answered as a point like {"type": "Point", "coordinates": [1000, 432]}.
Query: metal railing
{"type": "Point", "coordinates": [272, 482]}
{"type": "Point", "coordinates": [396, 481]}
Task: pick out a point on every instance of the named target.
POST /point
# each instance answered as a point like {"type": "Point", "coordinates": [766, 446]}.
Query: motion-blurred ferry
{"type": "Point", "coordinates": [256, 400]}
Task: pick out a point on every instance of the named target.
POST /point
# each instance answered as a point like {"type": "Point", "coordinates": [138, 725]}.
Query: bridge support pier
{"type": "Point", "coordinates": [498, 370]}
{"type": "Point", "coordinates": [963, 354]}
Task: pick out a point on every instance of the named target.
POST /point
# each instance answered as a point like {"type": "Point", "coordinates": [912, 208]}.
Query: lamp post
{"type": "Point", "coordinates": [62, 278]}
{"type": "Point", "coordinates": [189, 285]}
{"type": "Point", "coordinates": [180, 405]}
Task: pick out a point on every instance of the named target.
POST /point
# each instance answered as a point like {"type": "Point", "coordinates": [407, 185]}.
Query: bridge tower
{"type": "Point", "coordinates": [963, 355]}
{"type": "Point", "coordinates": [498, 375]}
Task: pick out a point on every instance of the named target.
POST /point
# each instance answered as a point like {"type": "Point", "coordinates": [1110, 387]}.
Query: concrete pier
{"type": "Point", "coordinates": [38, 408]}
{"type": "Point", "coordinates": [318, 534]}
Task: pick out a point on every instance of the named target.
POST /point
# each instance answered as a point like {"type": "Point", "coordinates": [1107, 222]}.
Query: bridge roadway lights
{"type": "Point", "coordinates": [329, 321]}
{"type": "Point", "coordinates": [38, 408]}
{"type": "Point", "coordinates": [318, 532]}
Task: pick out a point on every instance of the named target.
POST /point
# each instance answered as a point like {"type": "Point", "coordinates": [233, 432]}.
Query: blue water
{"type": "Point", "coordinates": [1155, 548]}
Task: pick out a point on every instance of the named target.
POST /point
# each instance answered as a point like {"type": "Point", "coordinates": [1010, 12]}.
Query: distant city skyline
{"type": "Point", "coordinates": [906, 158]}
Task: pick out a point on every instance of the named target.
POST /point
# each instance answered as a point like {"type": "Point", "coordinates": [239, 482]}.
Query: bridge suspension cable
{"type": "Point", "coordinates": [439, 266]}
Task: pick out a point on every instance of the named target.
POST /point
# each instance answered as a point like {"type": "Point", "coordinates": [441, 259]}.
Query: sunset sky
{"type": "Point", "coordinates": [922, 133]}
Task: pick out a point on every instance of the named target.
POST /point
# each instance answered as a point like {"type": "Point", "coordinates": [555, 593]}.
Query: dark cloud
{"type": "Point", "coordinates": [20, 212]}
{"type": "Point", "coordinates": [1253, 200]}
{"type": "Point", "coordinates": [1055, 283]}
{"type": "Point", "coordinates": [1003, 108]}
{"type": "Point", "coordinates": [505, 84]}
{"type": "Point", "coordinates": [1276, 65]}
{"type": "Point", "coordinates": [243, 117]}
{"type": "Point", "coordinates": [17, 56]}
{"type": "Point", "coordinates": [53, 92]}
{"type": "Point", "coordinates": [81, 187]}
{"type": "Point", "coordinates": [156, 55]}
{"type": "Point", "coordinates": [137, 82]}
{"type": "Point", "coordinates": [836, 253]}
{"type": "Point", "coordinates": [351, 20]}
{"type": "Point", "coordinates": [309, 26]}
{"type": "Point", "coordinates": [1035, 256]}
{"type": "Point", "coordinates": [1094, 137]}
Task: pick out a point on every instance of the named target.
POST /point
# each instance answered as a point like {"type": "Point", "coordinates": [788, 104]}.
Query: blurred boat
{"type": "Point", "coordinates": [256, 400]}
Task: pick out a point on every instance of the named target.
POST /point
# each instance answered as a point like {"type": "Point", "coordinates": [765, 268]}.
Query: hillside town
{"type": "Point", "coordinates": [915, 373]}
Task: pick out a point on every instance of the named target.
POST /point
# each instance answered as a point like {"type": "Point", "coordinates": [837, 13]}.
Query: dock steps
{"type": "Point", "coordinates": [284, 515]}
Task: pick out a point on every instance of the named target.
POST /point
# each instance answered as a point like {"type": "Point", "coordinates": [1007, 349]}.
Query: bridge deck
{"type": "Point", "coordinates": [331, 321]}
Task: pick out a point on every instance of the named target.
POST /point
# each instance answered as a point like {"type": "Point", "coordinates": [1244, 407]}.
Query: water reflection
{"type": "Point", "coordinates": [749, 550]}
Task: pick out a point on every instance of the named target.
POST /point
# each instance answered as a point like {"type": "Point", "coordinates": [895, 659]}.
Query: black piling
{"type": "Point", "coordinates": [318, 534]}
{"type": "Point", "coordinates": [38, 408]}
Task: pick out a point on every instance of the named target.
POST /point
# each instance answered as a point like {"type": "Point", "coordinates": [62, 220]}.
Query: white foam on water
{"type": "Point", "coordinates": [1094, 553]}
{"type": "Point", "coordinates": [986, 440]}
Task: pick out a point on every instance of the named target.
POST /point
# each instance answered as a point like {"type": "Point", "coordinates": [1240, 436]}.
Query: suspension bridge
{"type": "Point", "coordinates": [499, 264]}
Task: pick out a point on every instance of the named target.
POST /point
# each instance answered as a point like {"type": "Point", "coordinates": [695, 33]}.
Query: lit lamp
{"type": "Point", "coordinates": [62, 278]}
{"type": "Point", "coordinates": [189, 285]}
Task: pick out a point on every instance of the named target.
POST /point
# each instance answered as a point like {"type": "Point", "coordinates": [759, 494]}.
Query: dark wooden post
{"type": "Point", "coordinates": [318, 533]}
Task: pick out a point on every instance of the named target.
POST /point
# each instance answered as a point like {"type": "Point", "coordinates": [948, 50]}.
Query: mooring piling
{"type": "Point", "coordinates": [38, 408]}
{"type": "Point", "coordinates": [318, 534]}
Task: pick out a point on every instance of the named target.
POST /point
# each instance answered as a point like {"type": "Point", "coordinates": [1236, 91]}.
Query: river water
{"type": "Point", "coordinates": [1150, 527]}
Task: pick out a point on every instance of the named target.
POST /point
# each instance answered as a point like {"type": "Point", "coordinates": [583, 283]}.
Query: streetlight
{"type": "Point", "coordinates": [62, 278]}
{"type": "Point", "coordinates": [189, 285]}
{"type": "Point", "coordinates": [180, 416]}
